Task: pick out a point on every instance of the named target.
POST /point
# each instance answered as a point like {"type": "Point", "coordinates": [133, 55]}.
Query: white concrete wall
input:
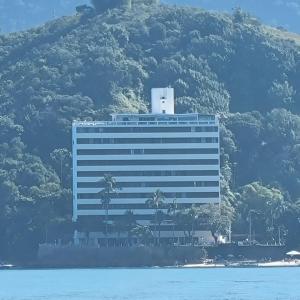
{"type": "Point", "coordinates": [162, 100]}
{"type": "Point", "coordinates": [156, 179]}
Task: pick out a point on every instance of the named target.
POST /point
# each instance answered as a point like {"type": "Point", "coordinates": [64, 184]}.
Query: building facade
{"type": "Point", "coordinates": [178, 154]}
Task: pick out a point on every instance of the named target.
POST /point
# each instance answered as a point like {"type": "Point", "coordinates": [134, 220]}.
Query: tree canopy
{"type": "Point", "coordinates": [86, 66]}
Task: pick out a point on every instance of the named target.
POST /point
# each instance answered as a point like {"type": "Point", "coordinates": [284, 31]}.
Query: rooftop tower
{"type": "Point", "coordinates": [162, 101]}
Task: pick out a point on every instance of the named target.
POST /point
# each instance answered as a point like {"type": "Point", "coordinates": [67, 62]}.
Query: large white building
{"type": "Point", "coordinates": [178, 154]}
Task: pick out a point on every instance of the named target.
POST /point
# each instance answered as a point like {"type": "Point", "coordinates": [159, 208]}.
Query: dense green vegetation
{"type": "Point", "coordinates": [276, 13]}
{"type": "Point", "coordinates": [21, 15]}
{"type": "Point", "coordinates": [89, 65]}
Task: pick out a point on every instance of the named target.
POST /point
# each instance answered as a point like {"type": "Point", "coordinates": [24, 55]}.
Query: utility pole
{"type": "Point", "coordinates": [61, 171]}
{"type": "Point", "coordinates": [250, 227]}
{"type": "Point", "coordinates": [229, 233]}
{"type": "Point", "coordinates": [234, 173]}
{"type": "Point", "coordinates": [174, 212]}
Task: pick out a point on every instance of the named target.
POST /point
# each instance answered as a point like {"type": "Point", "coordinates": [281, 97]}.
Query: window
{"type": "Point", "coordinates": [207, 129]}
{"type": "Point", "coordinates": [103, 152]}
{"type": "Point", "coordinates": [148, 162]}
{"type": "Point", "coordinates": [149, 173]}
{"type": "Point", "coordinates": [89, 129]}
{"type": "Point", "coordinates": [158, 184]}
{"type": "Point", "coordinates": [177, 195]}
{"type": "Point", "coordinates": [138, 151]}
{"type": "Point", "coordinates": [145, 140]}
{"type": "Point", "coordinates": [183, 151]}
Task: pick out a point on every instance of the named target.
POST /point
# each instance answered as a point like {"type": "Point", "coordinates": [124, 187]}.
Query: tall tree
{"type": "Point", "coordinates": [172, 210]}
{"type": "Point", "coordinates": [62, 158]}
{"type": "Point", "coordinates": [156, 202]}
{"type": "Point", "coordinates": [268, 204]}
{"type": "Point", "coordinates": [188, 219]}
{"type": "Point", "coordinates": [129, 222]}
{"type": "Point", "coordinates": [143, 234]}
{"type": "Point", "coordinates": [109, 189]}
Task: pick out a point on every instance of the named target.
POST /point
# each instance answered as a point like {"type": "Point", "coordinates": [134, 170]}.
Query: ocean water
{"type": "Point", "coordinates": [151, 284]}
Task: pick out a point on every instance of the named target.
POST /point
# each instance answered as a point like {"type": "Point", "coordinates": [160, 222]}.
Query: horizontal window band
{"type": "Point", "coordinates": [130, 206]}
{"type": "Point", "coordinates": [146, 140]}
{"type": "Point", "coordinates": [142, 162]}
{"type": "Point", "coordinates": [120, 235]}
{"type": "Point", "coordinates": [100, 184]}
{"type": "Point", "coordinates": [97, 223]}
{"type": "Point", "coordinates": [147, 151]}
{"type": "Point", "coordinates": [148, 195]}
{"type": "Point", "coordinates": [151, 129]}
{"type": "Point", "coordinates": [148, 173]}
{"type": "Point", "coordinates": [97, 219]}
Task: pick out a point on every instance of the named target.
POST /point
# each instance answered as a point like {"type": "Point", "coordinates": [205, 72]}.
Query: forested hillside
{"type": "Point", "coordinates": [282, 13]}
{"type": "Point", "coordinates": [89, 65]}
{"type": "Point", "coordinates": [21, 15]}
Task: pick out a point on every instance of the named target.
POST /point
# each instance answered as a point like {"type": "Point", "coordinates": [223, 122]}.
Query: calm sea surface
{"type": "Point", "coordinates": [150, 284]}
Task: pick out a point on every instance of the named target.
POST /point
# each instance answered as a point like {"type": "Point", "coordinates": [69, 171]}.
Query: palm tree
{"type": "Point", "coordinates": [125, 224]}
{"type": "Point", "coordinates": [194, 217]}
{"type": "Point", "coordinates": [118, 227]}
{"type": "Point", "coordinates": [109, 188]}
{"type": "Point", "coordinates": [61, 157]}
{"type": "Point", "coordinates": [143, 233]}
{"type": "Point", "coordinates": [88, 225]}
{"type": "Point", "coordinates": [172, 212]}
{"type": "Point", "coordinates": [181, 219]}
{"type": "Point", "coordinates": [159, 217]}
{"type": "Point", "coordinates": [156, 201]}
{"type": "Point", "coordinates": [130, 223]}
{"type": "Point", "coordinates": [274, 210]}
{"type": "Point", "coordinates": [187, 218]}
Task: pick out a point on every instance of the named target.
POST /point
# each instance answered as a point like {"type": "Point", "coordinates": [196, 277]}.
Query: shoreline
{"type": "Point", "coordinates": [247, 264]}
{"type": "Point", "coordinates": [210, 265]}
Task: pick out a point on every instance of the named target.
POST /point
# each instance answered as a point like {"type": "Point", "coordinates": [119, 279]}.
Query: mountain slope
{"type": "Point", "coordinates": [20, 15]}
{"type": "Point", "coordinates": [88, 65]}
{"type": "Point", "coordinates": [281, 13]}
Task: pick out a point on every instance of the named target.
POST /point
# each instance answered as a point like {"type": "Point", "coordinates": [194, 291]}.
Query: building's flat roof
{"type": "Point", "coordinates": [153, 120]}
{"type": "Point", "coordinates": [196, 115]}
{"type": "Point", "coordinates": [159, 115]}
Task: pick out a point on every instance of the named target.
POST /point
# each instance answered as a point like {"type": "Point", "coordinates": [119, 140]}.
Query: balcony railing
{"type": "Point", "coordinates": [141, 123]}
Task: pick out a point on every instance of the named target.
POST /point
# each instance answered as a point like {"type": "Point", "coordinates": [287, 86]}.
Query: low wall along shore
{"type": "Point", "coordinates": [75, 256]}
{"type": "Point", "coordinates": [255, 252]}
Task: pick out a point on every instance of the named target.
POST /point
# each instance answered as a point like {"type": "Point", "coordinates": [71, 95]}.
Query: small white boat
{"type": "Point", "coordinates": [6, 267]}
{"type": "Point", "coordinates": [242, 264]}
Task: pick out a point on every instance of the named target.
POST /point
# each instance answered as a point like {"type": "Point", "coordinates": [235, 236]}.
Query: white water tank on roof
{"type": "Point", "coordinates": [162, 101]}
